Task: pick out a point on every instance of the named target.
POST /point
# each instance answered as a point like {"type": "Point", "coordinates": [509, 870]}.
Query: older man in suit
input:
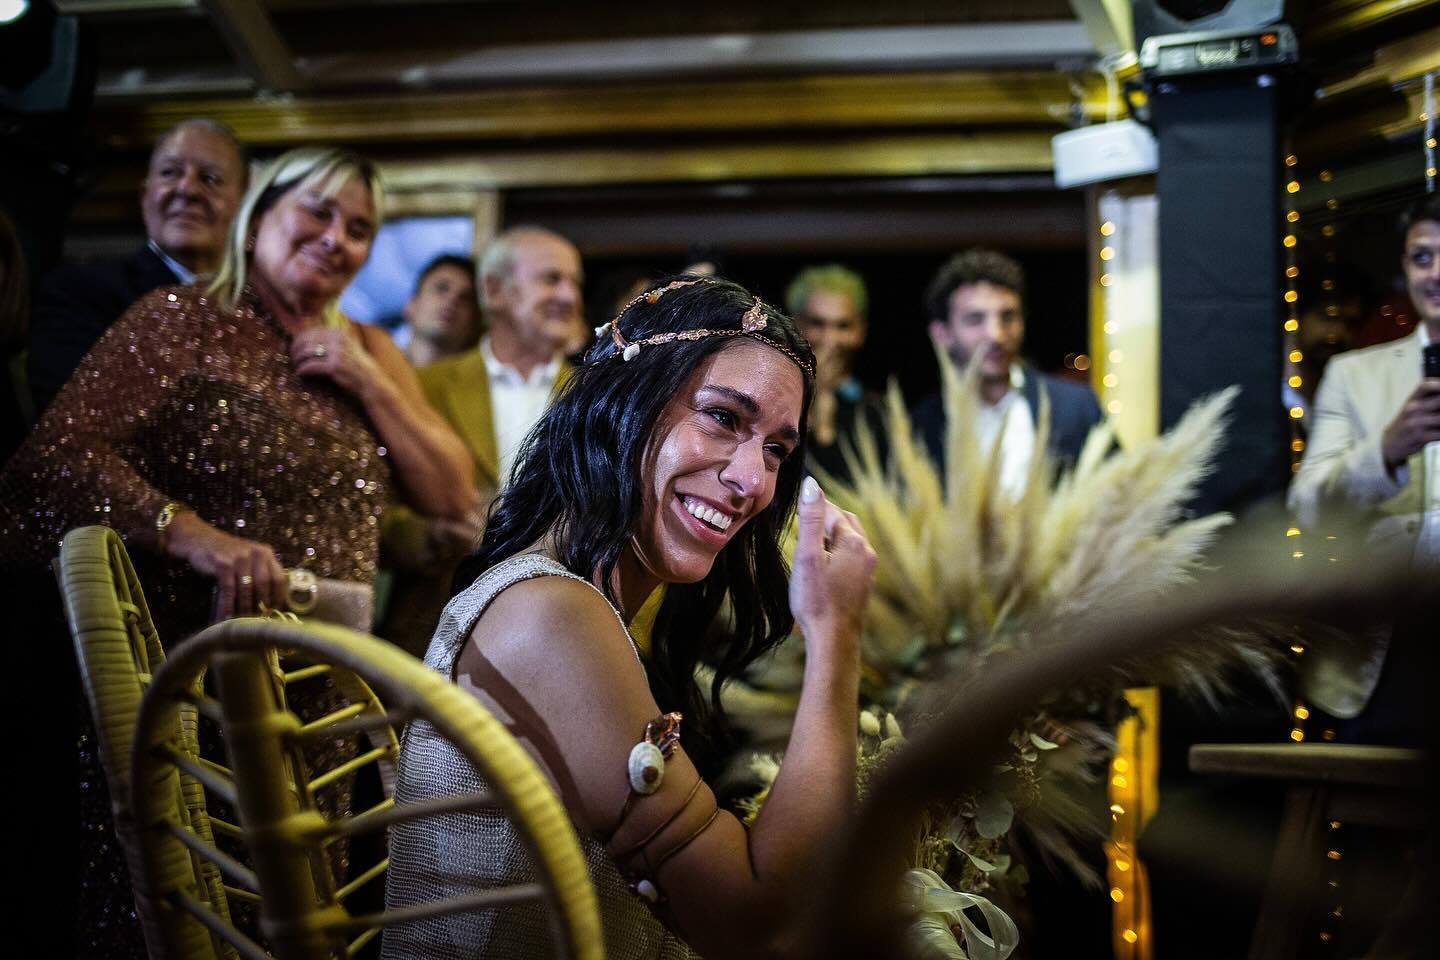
{"type": "Point", "coordinates": [189, 196]}
{"type": "Point", "coordinates": [530, 281]}
{"type": "Point", "coordinates": [1374, 449]}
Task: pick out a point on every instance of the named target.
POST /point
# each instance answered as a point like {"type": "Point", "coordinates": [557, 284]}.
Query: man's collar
{"type": "Point", "coordinates": [1015, 388]}
{"type": "Point", "coordinates": [499, 368]}
{"type": "Point", "coordinates": [181, 273]}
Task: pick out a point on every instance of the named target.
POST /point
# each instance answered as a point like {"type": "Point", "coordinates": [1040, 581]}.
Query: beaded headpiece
{"type": "Point", "coordinates": [751, 323]}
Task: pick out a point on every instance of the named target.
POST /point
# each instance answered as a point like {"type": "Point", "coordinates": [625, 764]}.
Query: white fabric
{"type": "Point", "coordinates": [1358, 396]}
{"type": "Point", "coordinates": [1427, 546]}
{"type": "Point", "coordinates": [516, 402]}
{"type": "Point", "coordinates": [175, 267]}
{"type": "Point", "coordinates": [1018, 442]}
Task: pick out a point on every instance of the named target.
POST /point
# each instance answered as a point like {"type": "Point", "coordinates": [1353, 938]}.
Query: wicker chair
{"type": "Point", "coordinates": [269, 886]}
{"type": "Point", "coordinates": [117, 649]}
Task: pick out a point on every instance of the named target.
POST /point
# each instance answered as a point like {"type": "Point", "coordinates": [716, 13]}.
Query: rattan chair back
{"type": "Point", "coordinates": [118, 648]}
{"type": "Point", "coordinates": [306, 911]}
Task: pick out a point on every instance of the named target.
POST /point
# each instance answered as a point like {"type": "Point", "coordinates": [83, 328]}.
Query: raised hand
{"type": "Point", "coordinates": [1416, 424]}
{"type": "Point", "coordinates": [831, 573]}
{"type": "Point", "coordinates": [338, 355]}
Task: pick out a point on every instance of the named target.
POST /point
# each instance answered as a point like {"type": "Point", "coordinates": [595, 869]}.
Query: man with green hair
{"type": "Point", "coordinates": [829, 303]}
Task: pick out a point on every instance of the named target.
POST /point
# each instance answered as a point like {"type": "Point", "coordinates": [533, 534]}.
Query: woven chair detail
{"type": "Point", "coordinates": [229, 855]}
{"type": "Point", "coordinates": [118, 649]}
{"type": "Point", "coordinates": [303, 912]}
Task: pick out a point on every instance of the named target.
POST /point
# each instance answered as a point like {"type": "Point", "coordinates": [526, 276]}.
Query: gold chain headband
{"type": "Point", "coordinates": [751, 323]}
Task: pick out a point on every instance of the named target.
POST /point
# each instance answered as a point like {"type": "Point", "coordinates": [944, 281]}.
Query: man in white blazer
{"type": "Point", "coordinates": [1374, 448]}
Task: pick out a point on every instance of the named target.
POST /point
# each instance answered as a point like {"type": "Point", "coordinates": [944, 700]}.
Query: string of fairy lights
{"type": "Point", "coordinates": [1295, 378]}
{"type": "Point", "coordinates": [1115, 357]}
{"type": "Point", "coordinates": [1129, 806]}
{"type": "Point", "coordinates": [1127, 881]}
{"type": "Point", "coordinates": [1427, 117]}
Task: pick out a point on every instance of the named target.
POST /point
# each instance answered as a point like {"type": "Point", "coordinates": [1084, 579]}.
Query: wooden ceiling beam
{"type": "Point", "coordinates": [809, 103]}
{"type": "Point", "coordinates": [248, 31]}
{"type": "Point", "coordinates": [1394, 65]}
{"type": "Point", "coordinates": [102, 8]}
{"type": "Point", "coordinates": [1339, 20]}
{"type": "Point", "coordinates": [858, 156]}
{"type": "Point", "coordinates": [450, 183]}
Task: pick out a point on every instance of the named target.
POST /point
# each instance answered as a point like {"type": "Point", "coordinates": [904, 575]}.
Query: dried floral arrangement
{"type": "Point", "coordinates": [968, 572]}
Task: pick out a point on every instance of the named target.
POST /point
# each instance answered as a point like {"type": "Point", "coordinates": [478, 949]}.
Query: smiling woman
{"type": "Point", "coordinates": [715, 466]}
{"type": "Point", "coordinates": [673, 457]}
{"type": "Point", "coordinates": [232, 431]}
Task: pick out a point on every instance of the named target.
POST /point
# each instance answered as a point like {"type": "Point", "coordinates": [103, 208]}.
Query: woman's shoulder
{"type": "Point", "coordinates": [174, 304]}
{"type": "Point", "coordinates": [369, 334]}
{"type": "Point", "coordinates": [548, 610]}
{"type": "Point", "coordinates": [550, 600]}
{"type": "Point", "coordinates": [163, 319]}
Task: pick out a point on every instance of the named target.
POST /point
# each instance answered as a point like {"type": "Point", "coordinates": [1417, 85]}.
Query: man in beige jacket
{"type": "Point", "coordinates": [530, 281]}
{"type": "Point", "coordinates": [1374, 449]}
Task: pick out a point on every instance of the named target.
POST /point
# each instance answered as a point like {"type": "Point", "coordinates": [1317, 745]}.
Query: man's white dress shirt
{"type": "Point", "coordinates": [517, 402]}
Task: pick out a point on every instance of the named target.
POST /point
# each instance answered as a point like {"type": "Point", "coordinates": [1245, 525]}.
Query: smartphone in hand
{"type": "Point", "coordinates": [1432, 360]}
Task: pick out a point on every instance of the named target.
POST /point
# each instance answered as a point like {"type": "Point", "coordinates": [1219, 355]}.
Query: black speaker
{"type": "Point", "coordinates": [25, 48]}
{"type": "Point", "coordinates": [45, 64]}
{"type": "Point", "coordinates": [1155, 18]}
{"type": "Point", "coordinates": [47, 85]}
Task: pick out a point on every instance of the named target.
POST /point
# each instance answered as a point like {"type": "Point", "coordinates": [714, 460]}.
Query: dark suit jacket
{"type": "Point", "coordinates": [849, 414]}
{"type": "Point", "coordinates": [75, 305]}
{"type": "Point", "coordinates": [1073, 411]}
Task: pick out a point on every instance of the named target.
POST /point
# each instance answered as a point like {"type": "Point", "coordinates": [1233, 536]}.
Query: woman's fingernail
{"type": "Point", "coordinates": [809, 490]}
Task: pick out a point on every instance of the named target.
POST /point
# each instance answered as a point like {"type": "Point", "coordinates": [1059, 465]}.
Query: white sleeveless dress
{"type": "Point", "coordinates": [466, 853]}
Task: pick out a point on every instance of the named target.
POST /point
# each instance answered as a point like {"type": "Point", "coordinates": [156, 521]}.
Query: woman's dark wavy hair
{"type": "Point", "coordinates": [578, 478]}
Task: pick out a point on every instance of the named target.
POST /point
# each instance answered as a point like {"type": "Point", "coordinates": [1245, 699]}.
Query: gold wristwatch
{"type": "Point", "coordinates": [164, 518]}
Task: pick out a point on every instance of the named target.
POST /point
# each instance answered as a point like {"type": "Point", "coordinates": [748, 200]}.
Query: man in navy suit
{"type": "Point", "coordinates": [976, 308]}
{"type": "Point", "coordinates": [192, 188]}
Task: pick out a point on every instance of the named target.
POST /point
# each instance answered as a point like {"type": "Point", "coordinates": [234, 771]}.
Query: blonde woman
{"type": "Point", "coordinates": [240, 426]}
{"type": "Point", "coordinates": [234, 428]}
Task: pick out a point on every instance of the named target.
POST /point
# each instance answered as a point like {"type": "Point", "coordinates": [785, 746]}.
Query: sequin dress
{"type": "Point", "coordinates": [183, 401]}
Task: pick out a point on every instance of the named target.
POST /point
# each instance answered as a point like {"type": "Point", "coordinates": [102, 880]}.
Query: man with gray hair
{"type": "Point", "coordinates": [192, 188]}
{"type": "Point", "coordinates": [530, 281]}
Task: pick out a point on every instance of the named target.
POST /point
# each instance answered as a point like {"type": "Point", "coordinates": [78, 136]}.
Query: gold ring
{"type": "Point", "coordinates": [246, 580]}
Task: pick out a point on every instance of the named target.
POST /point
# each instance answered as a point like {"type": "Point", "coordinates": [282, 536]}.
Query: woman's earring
{"type": "Point", "coordinates": [250, 243]}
